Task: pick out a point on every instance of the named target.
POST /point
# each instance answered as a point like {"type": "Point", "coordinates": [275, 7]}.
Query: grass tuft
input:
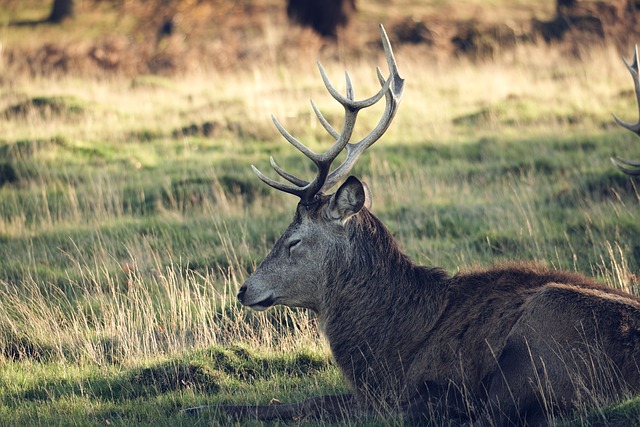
{"type": "Point", "coordinates": [46, 108]}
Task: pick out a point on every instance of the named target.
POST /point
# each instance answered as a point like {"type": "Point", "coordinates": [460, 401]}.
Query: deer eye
{"type": "Point", "coordinates": [292, 244]}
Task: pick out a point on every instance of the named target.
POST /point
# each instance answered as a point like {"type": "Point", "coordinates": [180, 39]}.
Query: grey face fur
{"type": "Point", "coordinates": [296, 269]}
{"type": "Point", "coordinates": [294, 272]}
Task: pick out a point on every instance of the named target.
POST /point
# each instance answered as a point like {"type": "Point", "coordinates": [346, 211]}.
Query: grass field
{"type": "Point", "coordinates": [129, 216]}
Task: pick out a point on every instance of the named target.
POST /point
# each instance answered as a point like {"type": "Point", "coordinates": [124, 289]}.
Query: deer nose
{"type": "Point", "coordinates": [241, 292]}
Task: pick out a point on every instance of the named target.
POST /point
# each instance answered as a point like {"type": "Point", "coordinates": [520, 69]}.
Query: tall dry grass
{"type": "Point", "coordinates": [98, 282]}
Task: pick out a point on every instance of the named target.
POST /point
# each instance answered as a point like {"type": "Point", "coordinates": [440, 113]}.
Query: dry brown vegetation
{"type": "Point", "coordinates": [169, 37]}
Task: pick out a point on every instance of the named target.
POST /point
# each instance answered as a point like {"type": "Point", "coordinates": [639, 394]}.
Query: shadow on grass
{"type": "Point", "coordinates": [136, 383]}
{"type": "Point", "coordinates": [28, 23]}
{"type": "Point", "coordinates": [212, 368]}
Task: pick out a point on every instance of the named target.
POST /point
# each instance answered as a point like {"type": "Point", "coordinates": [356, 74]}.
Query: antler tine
{"type": "Point", "coordinates": [299, 145]}
{"type": "Point", "coordinates": [350, 93]}
{"type": "Point", "coordinates": [634, 69]}
{"type": "Point", "coordinates": [286, 175]}
{"type": "Point", "coordinates": [325, 124]}
{"type": "Point", "coordinates": [392, 88]}
{"type": "Point", "coordinates": [620, 164]}
{"type": "Point", "coordinates": [277, 185]}
{"type": "Point", "coordinates": [351, 105]}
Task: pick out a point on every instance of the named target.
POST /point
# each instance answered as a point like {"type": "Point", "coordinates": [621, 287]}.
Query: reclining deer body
{"type": "Point", "coordinates": [407, 337]}
{"type": "Point", "coordinates": [512, 344]}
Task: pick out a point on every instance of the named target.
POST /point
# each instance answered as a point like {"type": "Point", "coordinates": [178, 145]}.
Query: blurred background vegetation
{"type": "Point", "coordinates": [97, 37]}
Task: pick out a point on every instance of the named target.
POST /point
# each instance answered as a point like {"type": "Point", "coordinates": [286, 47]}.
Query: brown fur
{"type": "Point", "coordinates": [515, 343]}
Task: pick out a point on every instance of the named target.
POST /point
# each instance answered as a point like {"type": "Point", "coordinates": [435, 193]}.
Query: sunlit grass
{"type": "Point", "coordinates": [129, 216]}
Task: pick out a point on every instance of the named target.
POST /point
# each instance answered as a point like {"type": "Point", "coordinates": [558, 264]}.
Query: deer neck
{"type": "Point", "coordinates": [377, 279]}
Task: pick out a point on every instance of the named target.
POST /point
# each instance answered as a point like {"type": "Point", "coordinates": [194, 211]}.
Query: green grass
{"type": "Point", "coordinates": [129, 216]}
{"type": "Point", "coordinates": [157, 391]}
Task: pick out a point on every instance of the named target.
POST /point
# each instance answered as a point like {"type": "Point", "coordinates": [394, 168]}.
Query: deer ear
{"type": "Point", "coordinates": [350, 198]}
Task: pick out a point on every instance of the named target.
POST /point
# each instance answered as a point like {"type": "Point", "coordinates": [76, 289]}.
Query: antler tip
{"type": "Point", "coordinates": [617, 162]}
{"type": "Point", "coordinates": [383, 32]}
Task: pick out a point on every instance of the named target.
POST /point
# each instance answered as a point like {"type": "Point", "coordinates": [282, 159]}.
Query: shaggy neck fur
{"type": "Point", "coordinates": [372, 284]}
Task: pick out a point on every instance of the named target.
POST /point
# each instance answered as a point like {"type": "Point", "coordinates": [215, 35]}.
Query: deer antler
{"type": "Point", "coordinates": [624, 164]}
{"type": "Point", "coordinates": [392, 88]}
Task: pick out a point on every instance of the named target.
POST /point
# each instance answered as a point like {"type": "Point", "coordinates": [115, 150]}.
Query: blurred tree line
{"type": "Point", "coordinates": [323, 16]}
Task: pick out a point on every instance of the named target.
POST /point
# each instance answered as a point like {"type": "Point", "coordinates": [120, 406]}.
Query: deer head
{"type": "Point", "coordinates": [630, 167]}
{"type": "Point", "coordinates": [290, 274]}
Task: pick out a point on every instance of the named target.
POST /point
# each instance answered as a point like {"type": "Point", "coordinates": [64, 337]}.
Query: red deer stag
{"type": "Point", "coordinates": [630, 167]}
{"type": "Point", "coordinates": [515, 344]}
